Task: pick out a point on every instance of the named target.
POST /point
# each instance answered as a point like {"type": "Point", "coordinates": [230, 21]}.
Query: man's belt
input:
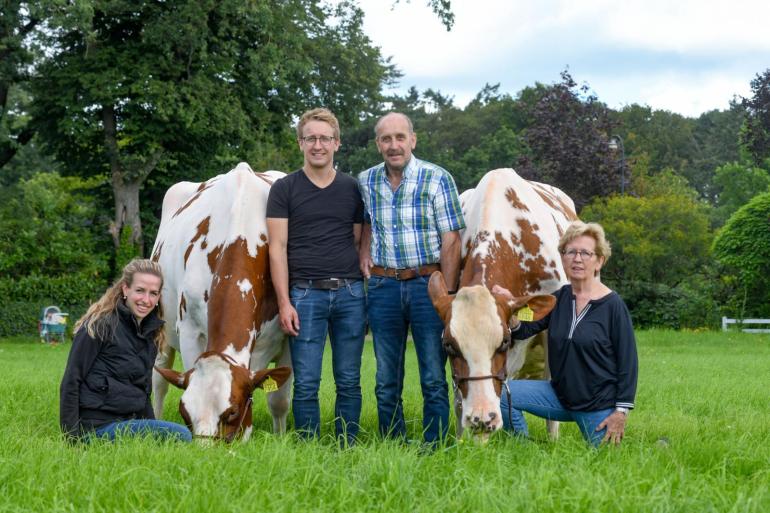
{"type": "Point", "coordinates": [405, 274]}
{"type": "Point", "coordinates": [327, 284]}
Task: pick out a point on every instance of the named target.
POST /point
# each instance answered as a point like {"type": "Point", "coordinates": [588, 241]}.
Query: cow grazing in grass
{"type": "Point", "coordinates": [220, 306]}
{"type": "Point", "coordinates": [511, 239]}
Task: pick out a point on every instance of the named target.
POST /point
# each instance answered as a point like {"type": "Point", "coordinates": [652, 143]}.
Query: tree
{"type": "Point", "coordinates": [18, 23]}
{"type": "Point", "coordinates": [186, 89]}
{"type": "Point", "coordinates": [743, 246]}
{"type": "Point", "coordinates": [756, 133]}
{"type": "Point", "coordinates": [737, 184]}
{"type": "Point", "coordinates": [46, 228]}
{"type": "Point", "coordinates": [717, 142]}
{"type": "Point", "coordinates": [666, 137]}
{"type": "Point", "coordinates": [50, 252]}
{"type": "Point", "coordinates": [659, 239]}
{"type": "Point", "coordinates": [567, 136]}
{"type": "Point", "coordinates": [659, 242]}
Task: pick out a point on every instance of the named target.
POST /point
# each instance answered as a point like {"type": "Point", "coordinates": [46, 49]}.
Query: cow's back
{"type": "Point", "coordinates": [205, 228]}
{"type": "Point", "coordinates": [512, 231]}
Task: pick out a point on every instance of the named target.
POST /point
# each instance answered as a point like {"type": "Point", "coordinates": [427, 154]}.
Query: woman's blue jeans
{"type": "Point", "coordinates": [392, 307]}
{"type": "Point", "coordinates": [539, 398]}
{"type": "Point", "coordinates": [143, 427]}
{"type": "Point", "coordinates": [342, 314]}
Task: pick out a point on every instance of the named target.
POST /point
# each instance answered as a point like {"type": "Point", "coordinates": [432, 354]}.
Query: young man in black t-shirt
{"type": "Point", "coordinates": [314, 219]}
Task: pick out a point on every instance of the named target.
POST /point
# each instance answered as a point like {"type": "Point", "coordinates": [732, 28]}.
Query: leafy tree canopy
{"type": "Point", "coordinates": [737, 183]}
{"type": "Point", "coordinates": [186, 89]}
{"type": "Point", "coordinates": [567, 136]}
{"type": "Point", "coordinates": [743, 245]}
{"type": "Point", "coordinates": [660, 238]}
{"type": "Point", "coordinates": [49, 225]}
{"type": "Point", "coordinates": [756, 134]}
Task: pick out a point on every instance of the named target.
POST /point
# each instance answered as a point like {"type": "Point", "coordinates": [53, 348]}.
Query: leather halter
{"type": "Point", "coordinates": [500, 376]}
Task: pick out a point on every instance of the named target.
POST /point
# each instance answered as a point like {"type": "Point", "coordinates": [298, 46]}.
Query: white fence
{"type": "Point", "coordinates": [726, 321]}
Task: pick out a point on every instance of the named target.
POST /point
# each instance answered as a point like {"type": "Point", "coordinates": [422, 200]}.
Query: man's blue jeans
{"type": "Point", "coordinates": [143, 427]}
{"type": "Point", "coordinates": [539, 398]}
{"type": "Point", "coordinates": [392, 306]}
{"type": "Point", "coordinates": [342, 314]}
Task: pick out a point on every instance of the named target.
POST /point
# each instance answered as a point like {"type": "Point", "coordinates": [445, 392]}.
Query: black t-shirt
{"type": "Point", "coordinates": [320, 243]}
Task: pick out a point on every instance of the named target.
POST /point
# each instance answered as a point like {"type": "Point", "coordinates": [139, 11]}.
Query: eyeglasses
{"type": "Point", "coordinates": [584, 254]}
{"type": "Point", "coordinates": [311, 140]}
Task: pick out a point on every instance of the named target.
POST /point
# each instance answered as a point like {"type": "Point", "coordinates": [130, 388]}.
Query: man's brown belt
{"type": "Point", "coordinates": [405, 274]}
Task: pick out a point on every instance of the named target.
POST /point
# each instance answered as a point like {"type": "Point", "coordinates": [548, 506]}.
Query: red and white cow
{"type": "Point", "coordinates": [511, 239]}
{"type": "Point", "coordinates": [220, 305]}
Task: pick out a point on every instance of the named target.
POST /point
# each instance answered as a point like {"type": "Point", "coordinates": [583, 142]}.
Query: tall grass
{"type": "Point", "coordinates": [698, 441]}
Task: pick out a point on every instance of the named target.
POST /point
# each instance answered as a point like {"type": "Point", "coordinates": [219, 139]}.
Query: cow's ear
{"type": "Point", "coordinates": [176, 378]}
{"type": "Point", "coordinates": [278, 374]}
{"type": "Point", "coordinates": [541, 305]}
{"type": "Point", "coordinates": [439, 295]}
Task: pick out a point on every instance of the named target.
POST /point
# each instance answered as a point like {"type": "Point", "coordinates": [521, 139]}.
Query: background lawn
{"type": "Point", "coordinates": [699, 441]}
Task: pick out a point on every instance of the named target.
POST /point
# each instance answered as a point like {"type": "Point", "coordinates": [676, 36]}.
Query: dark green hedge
{"type": "Point", "coordinates": [690, 304]}
{"type": "Point", "coordinates": [24, 299]}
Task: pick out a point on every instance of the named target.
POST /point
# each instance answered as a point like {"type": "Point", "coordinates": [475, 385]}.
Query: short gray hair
{"type": "Point", "coordinates": [379, 122]}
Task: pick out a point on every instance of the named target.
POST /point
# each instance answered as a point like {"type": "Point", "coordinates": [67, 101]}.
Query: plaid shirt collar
{"type": "Point", "coordinates": [410, 170]}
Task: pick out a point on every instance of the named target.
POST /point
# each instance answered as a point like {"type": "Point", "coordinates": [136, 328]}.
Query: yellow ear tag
{"type": "Point", "coordinates": [269, 385]}
{"type": "Point", "coordinates": [525, 314]}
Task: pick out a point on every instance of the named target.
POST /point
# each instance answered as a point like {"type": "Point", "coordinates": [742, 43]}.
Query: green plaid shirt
{"type": "Point", "coordinates": [407, 224]}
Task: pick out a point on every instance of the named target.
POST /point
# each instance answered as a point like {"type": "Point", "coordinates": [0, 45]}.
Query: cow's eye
{"type": "Point", "coordinates": [505, 345]}
{"type": "Point", "coordinates": [232, 416]}
{"type": "Point", "coordinates": [450, 350]}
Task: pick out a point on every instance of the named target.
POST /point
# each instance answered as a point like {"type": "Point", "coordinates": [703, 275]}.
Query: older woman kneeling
{"type": "Point", "coordinates": [591, 348]}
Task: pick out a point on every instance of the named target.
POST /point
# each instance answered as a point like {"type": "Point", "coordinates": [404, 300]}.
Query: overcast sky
{"type": "Point", "coordinates": [685, 56]}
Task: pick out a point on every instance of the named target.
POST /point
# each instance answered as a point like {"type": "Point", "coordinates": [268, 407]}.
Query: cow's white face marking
{"type": "Point", "coordinates": [208, 394]}
{"type": "Point", "coordinates": [477, 329]}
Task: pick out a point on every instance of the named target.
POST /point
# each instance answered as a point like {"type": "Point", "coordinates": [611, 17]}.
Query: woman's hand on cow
{"type": "Point", "coordinates": [289, 320]}
{"type": "Point", "coordinates": [616, 427]}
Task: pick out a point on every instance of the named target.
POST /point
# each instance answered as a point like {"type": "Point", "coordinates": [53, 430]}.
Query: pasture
{"type": "Point", "coordinates": [698, 441]}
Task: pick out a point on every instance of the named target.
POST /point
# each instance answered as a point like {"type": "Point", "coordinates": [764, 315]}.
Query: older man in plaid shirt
{"type": "Point", "coordinates": [411, 229]}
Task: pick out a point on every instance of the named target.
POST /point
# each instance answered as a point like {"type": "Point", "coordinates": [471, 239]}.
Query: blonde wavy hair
{"type": "Point", "coordinates": [101, 317]}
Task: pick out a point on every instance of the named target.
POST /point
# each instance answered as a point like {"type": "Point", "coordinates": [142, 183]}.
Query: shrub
{"type": "Point", "coordinates": [690, 304]}
{"type": "Point", "coordinates": [743, 247]}
{"type": "Point", "coordinates": [30, 294]}
{"type": "Point", "coordinates": [52, 249]}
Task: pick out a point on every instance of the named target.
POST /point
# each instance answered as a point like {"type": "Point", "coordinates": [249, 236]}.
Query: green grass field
{"type": "Point", "coordinates": [699, 441]}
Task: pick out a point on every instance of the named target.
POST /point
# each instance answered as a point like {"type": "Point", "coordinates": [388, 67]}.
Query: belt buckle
{"type": "Point", "coordinates": [396, 273]}
{"type": "Point", "coordinates": [334, 283]}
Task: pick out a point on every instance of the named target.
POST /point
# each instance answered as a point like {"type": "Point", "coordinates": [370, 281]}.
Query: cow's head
{"type": "Point", "coordinates": [216, 402]}
{"type": "Point", "coordinates": [476, 340]}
